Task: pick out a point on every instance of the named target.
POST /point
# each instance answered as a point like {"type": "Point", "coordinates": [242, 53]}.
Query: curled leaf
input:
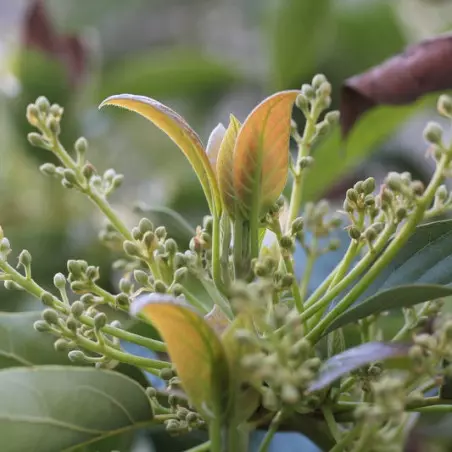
{"type": "Point", "coordinates": [422, 68]}
{"type": "Point", "coordinates": [225, 164]}
{"type": "Point", "coordinates": [261, 155]}
{"type": "Point", "coordinates": [217, 319]}
{"type": "Point", "coordinates": [194, 348]}
{"type": "Point", "coordinates": [181, 133]}
{"type": "Point", "coordinates": [214, 143]}
{"type": "Point", "coordinates": [353, 359]}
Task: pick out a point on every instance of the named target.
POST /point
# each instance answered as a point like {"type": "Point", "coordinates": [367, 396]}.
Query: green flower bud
{"type": "Point", "coordinates": [180, 260]}
{"type": "Point", "coordinates": [270, 401]}
{"type": "Point", "coordinates": [149, 240]}
{"type": "Point", "coordinates": [352, 195]}
{"type": "Point", "coordinates": [59, 281]}
{"type": "Point", "coordinates": [61, 345]}
{"type": "Point", "coordinates": [42, 104]}
{"type": "Point", "coordinates": [318, 80]}
{"type": "Point", "coordinates": [141, 277]}
{"type": "Point", "coordinates": [386, 198]}
{"type": "Point", "coordinates": [171, 246]}
{"type": "Point", "coordinates": [369, 185]}
{"type": "Point", "coordinates": [47, 299]}
{"type": "Point", "coordinates": [444, 105]}
{"type": "Point", "coordinates": [442, 193]}
{"type": "Point", "coordinates": [180, 274]}
{"type": "Point", "coordinates": [88, 170]}
{"type": "Point", "coordinates": [370, 234]}
{"type": "Point", "coordinates": [125, 285]}
{"type": "Point", "coordinates": [81, 146]}
{"type": "Point", "coordinates": [322, 128]}
{"type": "Point", "coordinates": [297, 225]}
{"type": "Point", "coordinates": [151, 392]}
{"type": "Point", "coordinates": [77, 309]}
{"type": "Point", "coordinates": [160, 232]}
{"type": "Point", "coordinates": [100, 320]}
{"type": "Point", "coordinates": [71, 323]}
{"type": "Point", "coordinates": [70, 176]}
{"type": "Point", "coordinates": [348, 206]}
{"type": "Point", "coordinates": [92, 273]}
{"type": "Point", "coordinates": [177, 290]}
{"type": "Point", "coordinates": [37, 140]}
{"type": "Point", "coordinates": [207, 224]}
{"type": "Point", "coordinates": [293, 128]}
{"type": "Point", "coordinates": [50, 316]}
{"type": "Point", "coordinates": [290, 394]}
{"type": "Point", "coordinates": [41, 326]}
{"type": "Point", "coordinates": [109, 174]}
{"type": "Point", "coordinates": [308, 91]}
{"type": "Point", "coordinates": [137, 234]}
{"type": "Point", "coordinates": [25, 258]}
{"type": "Point", "coordinates": [160, 286]}
{"type": "Point", "coordinates": [401, 213]}
{"type": "Point", "coordinates": [418, 187]}
{"type": "Point", "coordinates": [433, 133]}
{"type": "Point", "coordinates": [332, 117]}
{"type": "Point", "coordinates": [306, 162]}
{"type": "Point", "coordinates": [354, 233]}
{"type": "Point", "coordinates": [145, 225]}
{"type": "Point", "coordinates": [54, 125]}
{"type": "Point", "coordinates": [287, 281]}
{"type": "Point", "coordinates": [48, 169]}
{"type": "Point", "coordinates": [166, 373]}
{"type": "Point", "coordinates": [286, 242]}
{"type": "Point", "coordinates": [122, 300]}
{"type": "Point", "coordinates": [182, 413]}
{"type": "Point", "coordinates": [324, 90]}
{"type": "Point", "coordinates": [359, 186]}
{"type": "Point", "coordinates": [131, 249]}
{"type": "Point", "coordinates": [77, 356]}
{"type": "Point", "coordinates": [33, 115]}
{"type": "Point", "coordinates": [117, 181]}
{"type": "Point", "coordinates": [302, 102]}
{"type": "Point", "coordinates": [56, 111]}
{"type": "Point", "coordinates": [172, 425]}
{"type": "Point", "coordinates": [192, 417]}
{"type": "Point", "coordinates": [78, 286]}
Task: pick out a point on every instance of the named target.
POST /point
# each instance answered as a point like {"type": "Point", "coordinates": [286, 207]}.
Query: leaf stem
{"type": "Point", "coordinates": [274, 425]}
{"type": "Point", "coordinates": [331, 422]}
{"type": "Point", "coordinates": [201, 447]}
{"type": "Point", "coordinates": [311, 258]}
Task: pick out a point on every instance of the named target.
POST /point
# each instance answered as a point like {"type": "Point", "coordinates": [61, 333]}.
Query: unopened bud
{"type": "Point", "coordinates": [433, 133]}
{"type": "Point", "coordinates": [308, 91]}
{"type": "Point", "coordinates": [41, 326]}
{"type": "Point", "coordinates": [25, 258]}
{"type": "Point", "coordinates": [137, 234]}
{"type": "Point", "coordinates": [442, 193]}
{"type": "Point", "coordinates": [131, 249]}
{"type": "Point", "coordinates": [50, 316]}
{"type": "Point", "coordinates": [100, 320]}
{"type": "Point", "coordinates": [306, 162]}
{"type": "Point", "coordinates": [48, 169]}
{"type": "Point", "coordinates": [71, 323]}
{"type": "Point", "coordinates": [43, 104]}
{"type": "Point", "coordinates": [354, 233]}
{"type": "Point", "coordinates": [322, 128]}
{"type": "Point", "coordinates": [54, 125]}
{"type": "Point", "coordinates": [59, 281]}
{"type": "Point", "coordinates": [160, 286]}
{"type": "Point", "coordinates": [145, 225]}
{"type": "Point", "coordinates": [76, 356]}
{"type": "Point", "coordinates": [369, 185]}
{"type": "Point", "coordinates": [122, 300]}
{"type": "Point", "coordinates": [302, 102]}
{"type": "Point", "coordinates": [160, 232]}
{"type": "Point", "coordinates": [149, 240]}
{"type": "Point", "coordinates": [332, 117]}
{"type": "Point", "coordinates": [37, 140]}
{"type": "Point", "coordinates": [33, 115]}
{"type": "Point", "coordinates": [77, 308]}
{"type": "Point", "coordinates": [318, 80]}
{"type": "Point", "coordinates": [297, 225]}
{"type": "Point", "coordinates": [352, 195]}
{"type": "Point", "coordinates": [81, 146]}
{"type": "Point", "coordinates": [171, 246]}
{"type": "Point", "coordinates": [70, 176]}
{"type": "Point", "coordinates": [445, 105]}
{"type": "Point", "coordinates": [141, 277]}
{"type": "Point", "coordinates": [180, 274]}
{"type": "Point", "coordinates": [47, 299]}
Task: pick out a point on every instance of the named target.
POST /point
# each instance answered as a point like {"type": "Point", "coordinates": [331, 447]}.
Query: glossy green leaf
{"type": "Point", "coordinates": [419, 272]}
{"type": "Point", "coordinates": [22, 345]}
{"type": "Point", "coordinates": [261, 154]}
{"type": "Point", "coordinates": [194, 348]}
{"type": "Point", "coordinates": [354, 358]}
{"type": "Point", "coordinates": [180, 133]}
{"type": "Point", "coordinates": [54, 408]}
{"type": "Point", "coordinates": [335, 157]}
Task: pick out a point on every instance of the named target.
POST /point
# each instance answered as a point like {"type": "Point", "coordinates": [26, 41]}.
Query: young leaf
{"type": "Point", "coordinates": [353, 359]}
{"type": "Point", "coordinates": [194, 348]}
{"type": "Point", "coordinates": [181, 133]}
{"type": "Point", "coordinates": [214, 143]}
{"type": "Point", "coordinates": [225, 164]}
{"type": "Point", "coordinates": [420, 272]}
{"type": "Point", "coordinates": [261, 155]}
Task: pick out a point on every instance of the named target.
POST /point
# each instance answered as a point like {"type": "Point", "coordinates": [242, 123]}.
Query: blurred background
{"type": "Point", "coordinates": [205, 59]}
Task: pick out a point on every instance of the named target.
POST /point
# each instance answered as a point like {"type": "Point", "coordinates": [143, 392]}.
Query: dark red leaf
{"type": "Point", "coordinates": [422, 68]}
{"type": "Point", "coordinates": [39, 34]}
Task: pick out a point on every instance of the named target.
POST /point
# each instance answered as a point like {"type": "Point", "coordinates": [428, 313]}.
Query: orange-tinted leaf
{"type": "Point", "coordinates": [180, 132]}
{"type": "Point", "coordinates": [261, 156]}
{"type": "Point", "coordinates": [194, 348]}
{"type": "Point", "coordinates": [214, 143]}
{"type": "Point", "coordinates": [225, 166]}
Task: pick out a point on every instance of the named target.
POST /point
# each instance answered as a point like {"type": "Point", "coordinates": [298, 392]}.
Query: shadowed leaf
{"type": "Point", "coordinates": [180, 132]}
{"type": "Point", "coordinates": [420, 272]}
{"type": "Point", "coordinates": [422, 68]}
{"type": "Point", "coordinates": [225, 164]}
{"type": "Point", "coordinates": [353, 359]}
{"type": "Point", "coordinates": [261, 155]}
{"type": "Point", "coordinates": [193, 347]}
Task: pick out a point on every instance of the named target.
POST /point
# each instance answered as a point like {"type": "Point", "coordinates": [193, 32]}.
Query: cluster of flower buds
{"type": "Point", "coordinates": [283, 363]}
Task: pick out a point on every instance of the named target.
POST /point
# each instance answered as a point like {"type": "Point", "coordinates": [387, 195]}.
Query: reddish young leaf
{"type": "Point", "coordinates": [422, 68]}
{"type": "Point", "coordinates": [261, 156]}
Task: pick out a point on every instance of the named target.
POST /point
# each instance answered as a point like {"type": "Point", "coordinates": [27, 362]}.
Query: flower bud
{"type": "Point", "coordinates": [131, 249]}
{"type": "Point", "coordinates": [369, 185]}
{"type": "Point", "coordinates": [445, 105]}
{"type": "Point", "coordinates": [125, 285]}
{"type": "Point", "coordinates": [25, 258]}
{"type": "Point", "coordinates": [308, 91]}
{"type": "Point", "coordinates": [56, 111]}
{"type": "Point", "coordinates": [348, 207]}
{"type": "Point", "coordinates": [334, 245]}
{"type": "Point", "coordinates": [286, 242]}
{"type": "Point", "coordinates": [117, 181]}
{"type": "Point", "coordinates": [48, 169]}
{"type": "Point", "coordinates": [88, 170]}
{"type": "Point", "coordinates": [37, 140]}
{"type": "Point", "coordinates": [290, 394]}
{"type": "Point", "coordinates": [160, 232]}
{"type": "Point", "coordinates": [47, 299]}
{"type": "Point", "coordinates": [50, 316]}
{"type": "Point", "coordinates": [77, 309]}
{"type": "Point", "coordinates": [81, 146]}
{"type": "Point", "coordinates": [442, 193]}
{"type": "Point", "coordinates": [166, 373]}
{"type": "Point", "coordinates": [354, 233]}
{"type": "Point", "coordinates": [160, 286]}
{"type": "Point", "coordinates": [418, 187]}
{"type": "Point", "coordinates": [332, 117]}
{"type": "Point", "coordinates": [177, 290]}
{"type": "Point", "coordinates": [302, 102]}
{"type": "Point", "coordinates": [59, 281]}
{"type": "Point", "coordinates": [297, 225]}
{"type": "Point", "coordinates": [145, 225]}
{"type": "Point", "coordinates": [77, 356]}
{"type": "Point", "coordinates": [433, 133]}
{"type": "Point", "coordinates": [322, 128]}
{"type": "Point", "coordinates": [141, 277]}
{"type": "Point", "coordinates": [71, 323]}
{"type": "Point", "coordinates": [318, 80]}
{"type": "Point", "coordinates": [54, 125]}
{"type": "Point", "coordinates": [401, 213]}
{"type": "Point", "coordinates": [41, 326]}
{"type": "Point", "coordinates": [352, 195]}
{"type": "Point", "coordinates": [122, 300]}
{"type": "Point", "coordinates": [149, 240]}
{"type": "Point", "coordinates": [171, 246]}
{"type": "Point", "coordinates": [32, 115]}
{"type": "Point", "coordinates": [306, 162]}
{"type": "Point", "coordinates": [207, 224]}
{"type": "Point", "coordinates": [180, 274]}
{"type": "Point", "coordinates": [137, 234]}
{"type": "Point", "coordinates": [100, 320]}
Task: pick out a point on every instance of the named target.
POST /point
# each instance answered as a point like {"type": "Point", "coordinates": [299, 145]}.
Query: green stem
{"type": "Point", "coordinates": [238, 247]}
{"type": "Point", "coordinates": [274, 425]}
{"type": "Point", "coordinates": [225, 227]}
{"type": "Point", "coordinates": [216, 247]}
{"type": "Point", "coordinates": [311, 258]}
{"type": "Point", "coordinates": [347, 439]}
{"type": "Point", "coordinates": [407, 327]}
{"type": "Point", "coordinates": [216, 436]}
{"type": "Point", "coordinates": [34, 289]}
{"type": "Point", "coordinates": [389, 254]}
{"type": "Point", "coordinates": [359, 268]}
{"type": "Point", "coordinates": [331, 422]}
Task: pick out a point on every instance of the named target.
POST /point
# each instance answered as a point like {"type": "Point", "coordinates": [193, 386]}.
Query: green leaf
{"type": "Point", "coordinates": [22, 345]}
{"type": "Point", "coordinates": [335, 157]}
{"type": "Point", "coordinates": [294, 24]}
{"type": "Point", "coordinates": [194, 348]}
{"type": "Point", "coordinates": [420, 272]}
{"type": "Point", "coordinates": [353, 359]}
{"type": "Point", "coordinates": [54, 408]}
